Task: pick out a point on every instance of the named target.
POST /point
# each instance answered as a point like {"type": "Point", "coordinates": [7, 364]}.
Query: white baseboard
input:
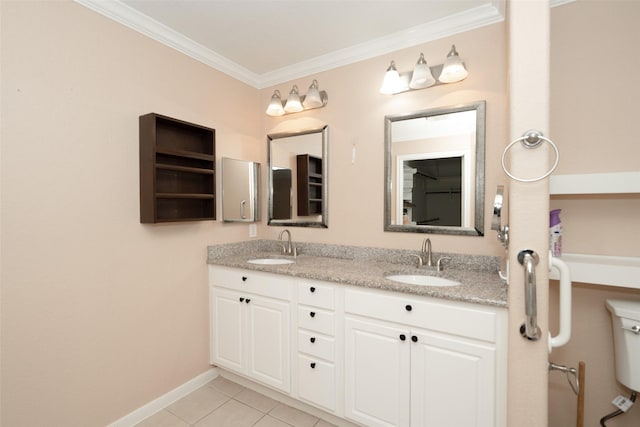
{"type": "Point", "coordinates": [165, 400]}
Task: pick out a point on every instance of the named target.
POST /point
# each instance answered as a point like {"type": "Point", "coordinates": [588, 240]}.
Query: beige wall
{"type": "Point", "coordinates": [594, 122]}
{"type": "Point", "coordinates": [100, 314]}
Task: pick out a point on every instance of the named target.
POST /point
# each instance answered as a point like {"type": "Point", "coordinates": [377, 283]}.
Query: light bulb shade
{"type": "Point", "coordinates": [313, 99]}
{"type": "Point", "coordinates": [275, 105]}
{"type": "Point", "coordinates": [453, 69]}
{"type": "Point", "coordinates": [391, 82]}
{"type": "Point", "coordinates": [293, 104]}
{"type": "Point", "coordinates": [421, 76]}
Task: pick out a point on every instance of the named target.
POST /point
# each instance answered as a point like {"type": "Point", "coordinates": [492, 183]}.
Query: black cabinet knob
{"type": "Point", "coordinates": [244, 278]}
{"type": "Point", "coordinates": [313, 365]}
{"type": "Point", "coordinates": [312, 289]}
{"type": "Point", "coordinates": [312, 314]}
{"type": "Point", "coordinates": [408, 307]}
{"type": "Point", "coordinates": [312, 339]}
{"type": "Point", "coordinates": [247, 300]}
{"type": "Point", "coordinates": [414, 338]}
{"type": "Point", "coordinates": [241, 299]}
{"type": "Point", "coordinates": [402, 337]}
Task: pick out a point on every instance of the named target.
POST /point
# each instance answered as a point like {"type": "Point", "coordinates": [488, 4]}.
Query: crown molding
{"type": "Point", "coordinates": [480, 16]}
{"type": "Point", "coordinates": [473, 18]}
{"type": "Point", "coordinates": [130, 17]}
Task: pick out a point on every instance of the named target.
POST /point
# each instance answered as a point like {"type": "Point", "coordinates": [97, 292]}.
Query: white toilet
{"type": "Point", "coordinates": [625, 316]}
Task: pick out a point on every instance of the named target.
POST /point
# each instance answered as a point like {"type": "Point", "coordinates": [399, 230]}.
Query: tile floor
{"type": "Point", "coordinates": [222, 403]}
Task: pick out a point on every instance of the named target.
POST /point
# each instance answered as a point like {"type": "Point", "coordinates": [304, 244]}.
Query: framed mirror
{"type": "Point", "coordinates": [434, 171]}
{"type": "Point", "coordinates": [298, 178]}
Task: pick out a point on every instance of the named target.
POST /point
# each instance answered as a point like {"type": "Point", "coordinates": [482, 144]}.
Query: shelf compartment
{"type": "Point", "coordinates": [174, 134]}
{"type": "Point", "coordinates": [602, 270]}
{"type": "Point", "coordinates": [175, 181]}
{"type": "Point", "coordinates": [184, 209]}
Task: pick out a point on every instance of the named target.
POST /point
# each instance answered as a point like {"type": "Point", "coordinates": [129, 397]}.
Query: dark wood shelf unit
{"type": "Point", "coordinates": [177, 170]}
{"type": "Point", "coordinates": [309, 173]}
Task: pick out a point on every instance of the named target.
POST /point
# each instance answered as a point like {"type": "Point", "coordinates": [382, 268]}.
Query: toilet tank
{"type": "Point", "coordinates": [625, 316]}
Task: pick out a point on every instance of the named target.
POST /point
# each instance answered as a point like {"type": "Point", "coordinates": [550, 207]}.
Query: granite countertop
{"type": "Point", "coordinates": [481, 286]}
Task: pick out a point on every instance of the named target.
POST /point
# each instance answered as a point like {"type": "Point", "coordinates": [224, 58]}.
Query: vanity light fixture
{"type": "Point", "coordinates": [314, 98]}
{"type": "Point", "coordinates": [293, 104]}
{"type": "Point", "coordinates": [453, 69]}
{"type": "Point", "coordinates": [422, 76]}
{"type": "Point", "coordinates": [391, 82]}
{"type": "Point", "coordinates": [275, 106]}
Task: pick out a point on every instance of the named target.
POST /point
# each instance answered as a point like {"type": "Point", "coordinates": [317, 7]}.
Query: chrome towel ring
{"type": "Point", "coordinates": [531, 139]}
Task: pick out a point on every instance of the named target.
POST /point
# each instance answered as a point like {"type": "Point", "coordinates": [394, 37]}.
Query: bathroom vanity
{"type": "Point", "coordinates": [335, 334]}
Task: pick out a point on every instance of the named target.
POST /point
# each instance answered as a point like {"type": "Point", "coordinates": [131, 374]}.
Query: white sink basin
{"type": "Point", "coordinates": [271, 261]}
{"type": "Point", "coordinates": [418, 279]}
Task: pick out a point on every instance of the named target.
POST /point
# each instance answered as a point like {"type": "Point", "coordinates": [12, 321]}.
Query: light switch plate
{"type": "Point", "coordinates": [253, 231]}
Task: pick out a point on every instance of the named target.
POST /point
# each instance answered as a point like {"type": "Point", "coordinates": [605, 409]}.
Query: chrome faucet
{"type": "Point", "coordinates": [425, 260]}
{"type": "Point", "coordinates": [426, 253]}
{"type": "Point", "coordinates": [287, 247]}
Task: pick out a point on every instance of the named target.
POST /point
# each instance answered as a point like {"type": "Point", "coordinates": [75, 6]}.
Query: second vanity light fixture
{"type": "Point", "coordinates": [422, 76]}
{"type": "Point", "coordinates": [295, 103]}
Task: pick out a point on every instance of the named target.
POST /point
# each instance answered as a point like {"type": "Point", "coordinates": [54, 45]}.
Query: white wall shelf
{"type": "Point", "coordinates": [602, 270]}
{"type": "Point", "coordinates": [596, 183]}
{"type": "Point", "coordinates": [599, 269]}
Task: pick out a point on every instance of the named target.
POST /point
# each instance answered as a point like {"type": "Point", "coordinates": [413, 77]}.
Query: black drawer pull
{"type": "Point", "coordinates": [312, 314]}
{"type": "Point", "coordinates": [402, 337]}
{"type": "Point", "coordinates": [312, 339]}
{"type": "Point", "coordinates": [313, 365]}
{"type": "Point", "coordinates": [247, 300]}
{"type": "Point", "coordinates": [414, 338]}
{"type": "Point", "coordinates": [241, 299]}
{"type": "Point", "coordinates": [244, 278]}
{"type": "Point", "coordinates": [408, 307]}
{"type": "Point", "coordinates": [312, 289]}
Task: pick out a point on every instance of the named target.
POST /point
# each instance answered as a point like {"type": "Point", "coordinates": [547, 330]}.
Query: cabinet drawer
{"type": "Point", "coordinates": [464, 319]}
{"type": "Point", "coordinates": [316, 294]}
{"type": "Point", "coordinates": [271, 285]}
{"type": "Point", "coordinates": [316, 345]}
{"type": "Point", "coordinates": [316, 319]}
{"type": "Point", "coordinates": [317, 382]}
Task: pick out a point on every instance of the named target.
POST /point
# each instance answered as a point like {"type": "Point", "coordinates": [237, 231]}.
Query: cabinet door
{"type": "Point", "coordinates": [268, 337]}
{"type": "Point", "coordinates": [377, 373]}
{"type": "Point", "coordinates": [227, 327]}
{"type": "Point", "coordinates": [452, 381]}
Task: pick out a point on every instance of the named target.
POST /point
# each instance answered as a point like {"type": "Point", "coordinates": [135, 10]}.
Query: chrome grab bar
{"type": "Point", "coordinates": [529, 259]}
{"type": "Point", "coordinates": [564, 331]}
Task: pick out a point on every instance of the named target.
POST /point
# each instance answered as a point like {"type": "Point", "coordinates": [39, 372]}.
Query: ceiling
{"type": "Point", "coordinates": [266, 42]}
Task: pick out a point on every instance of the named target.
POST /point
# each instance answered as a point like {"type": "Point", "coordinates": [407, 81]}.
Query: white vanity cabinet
{"type": "Point", "coordinates": [251, 324]}
{"type": "Point", "coordinates": [319, 338]}
{"type": "Point", "coordinates": [417, 361]}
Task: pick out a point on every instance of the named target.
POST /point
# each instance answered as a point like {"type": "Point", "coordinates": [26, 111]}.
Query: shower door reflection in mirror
{"type": "Point", "coordinates": [434, 169]}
